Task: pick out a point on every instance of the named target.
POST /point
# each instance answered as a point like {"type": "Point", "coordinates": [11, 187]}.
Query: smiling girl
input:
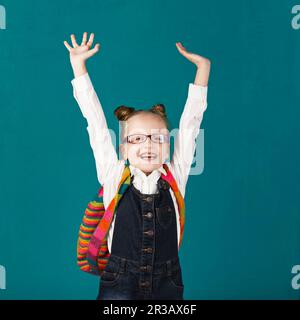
{"type": "Point", "coordinates": [146, 229]}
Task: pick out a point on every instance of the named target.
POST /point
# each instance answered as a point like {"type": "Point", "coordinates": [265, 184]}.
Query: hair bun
{"type": "Point", "coordinates": [122, 112]}
{"type": "Point", "coordinates": [160, 109]}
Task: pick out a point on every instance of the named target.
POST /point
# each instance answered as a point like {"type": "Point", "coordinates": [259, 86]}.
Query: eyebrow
{"type": "Point", "coordinates": [151, 131]}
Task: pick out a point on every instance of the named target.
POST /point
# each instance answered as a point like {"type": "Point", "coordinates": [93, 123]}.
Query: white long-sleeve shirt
{"type": "Point", "coordinates": [109, 168]}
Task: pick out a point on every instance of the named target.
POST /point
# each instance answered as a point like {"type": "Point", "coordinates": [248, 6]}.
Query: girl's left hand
{"type": "Point", "coordinates": [195, 58]}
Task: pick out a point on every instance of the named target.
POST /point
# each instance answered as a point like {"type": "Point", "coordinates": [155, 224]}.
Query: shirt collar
{"type": "Point", "coordinates": [154, 174]}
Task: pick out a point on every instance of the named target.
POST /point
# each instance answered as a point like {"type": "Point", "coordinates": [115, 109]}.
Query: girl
{"type": "Point", "coordinates": [146, 231]}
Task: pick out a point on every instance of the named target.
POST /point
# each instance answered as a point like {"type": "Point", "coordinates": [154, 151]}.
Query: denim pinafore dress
{"type": "Point", "coordinates": [144, 262]}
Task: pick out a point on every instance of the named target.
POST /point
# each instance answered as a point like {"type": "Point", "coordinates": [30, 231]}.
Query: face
{"type": "Point", "coordinates": [145, 123]}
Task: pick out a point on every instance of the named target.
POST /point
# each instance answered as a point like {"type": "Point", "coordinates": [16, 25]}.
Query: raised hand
{"type": "Point", "coordinates": [193, 57]}
{"type": "Point", "coordinates": [202, 63]}
{"type": "Point", "coordinates": [80, 53]}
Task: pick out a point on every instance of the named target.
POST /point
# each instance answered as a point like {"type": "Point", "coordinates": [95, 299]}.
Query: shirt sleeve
{"type": "Point", "coordinates": [100, 139]}
{"type": "Point", "coordinates": [189, 127]}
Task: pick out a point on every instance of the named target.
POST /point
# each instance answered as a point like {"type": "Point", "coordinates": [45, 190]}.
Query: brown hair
{"type": "Point", "coordinates": [123, 113]}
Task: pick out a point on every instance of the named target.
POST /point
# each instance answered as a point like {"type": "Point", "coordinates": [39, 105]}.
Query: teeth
{"type": "Point", "coordinates": [148, 156]}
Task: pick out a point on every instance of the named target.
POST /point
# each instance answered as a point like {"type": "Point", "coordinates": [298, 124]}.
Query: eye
{"type": "Point", "coordinates": [135, 138]}
{"type": "Point", "coordinates": [157, 138]}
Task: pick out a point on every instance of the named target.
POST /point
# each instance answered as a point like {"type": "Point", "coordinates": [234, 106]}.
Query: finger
{"type": "Point", "coordinates": [184, 52]}
{"type": "Point", "coordinates": [83, 42]}
{"type": "Point", "coordinates": [180, 46]}
{"type": "Point", "coordinates": [91, 39]}
{"type": "Point", "coordinates": [94, 50]}
{"type": "Point", "coordinates": [74, 43]}
{"type": "Point", "coordinates": [67, 45]}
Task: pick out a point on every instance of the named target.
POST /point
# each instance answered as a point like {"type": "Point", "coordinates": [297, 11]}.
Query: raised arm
{"type": "Point", "coordinates": [191, 118]}
{"type": "Point", "coordinates": [83, 90]}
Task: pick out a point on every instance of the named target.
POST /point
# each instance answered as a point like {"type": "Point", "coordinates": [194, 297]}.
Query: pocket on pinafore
{"type": "Point", "coordinates": [164, 215]}
{"type": "Point", "coordinates": [111, 274]}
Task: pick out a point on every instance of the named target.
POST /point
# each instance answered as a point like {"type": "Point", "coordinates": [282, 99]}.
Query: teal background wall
{"type": "Point", "coordinates": [242, 234]}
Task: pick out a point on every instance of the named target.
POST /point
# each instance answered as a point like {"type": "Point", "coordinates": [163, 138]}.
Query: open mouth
{"type": "Point", "coordinates": [148, 156]}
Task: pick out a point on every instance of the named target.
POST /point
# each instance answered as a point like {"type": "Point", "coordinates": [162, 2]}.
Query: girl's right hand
{"type": "Point", "coordinates": [80, 53]}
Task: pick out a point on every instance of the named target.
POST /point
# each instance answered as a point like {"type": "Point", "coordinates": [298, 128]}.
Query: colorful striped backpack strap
{"type": "Point", "coordinates": [179, 198]}
{"type": "Point", "coordinates": [95, 253]}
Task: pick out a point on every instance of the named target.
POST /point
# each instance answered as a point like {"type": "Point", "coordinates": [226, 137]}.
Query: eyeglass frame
{"type": "Point", "coordinates": [147, 136]}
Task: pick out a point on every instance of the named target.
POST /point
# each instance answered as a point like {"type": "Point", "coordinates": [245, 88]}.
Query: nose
{"type": "Point", "coordinates": [147, 144]}
{"type": "Point", "coordinates": [148, 140]}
